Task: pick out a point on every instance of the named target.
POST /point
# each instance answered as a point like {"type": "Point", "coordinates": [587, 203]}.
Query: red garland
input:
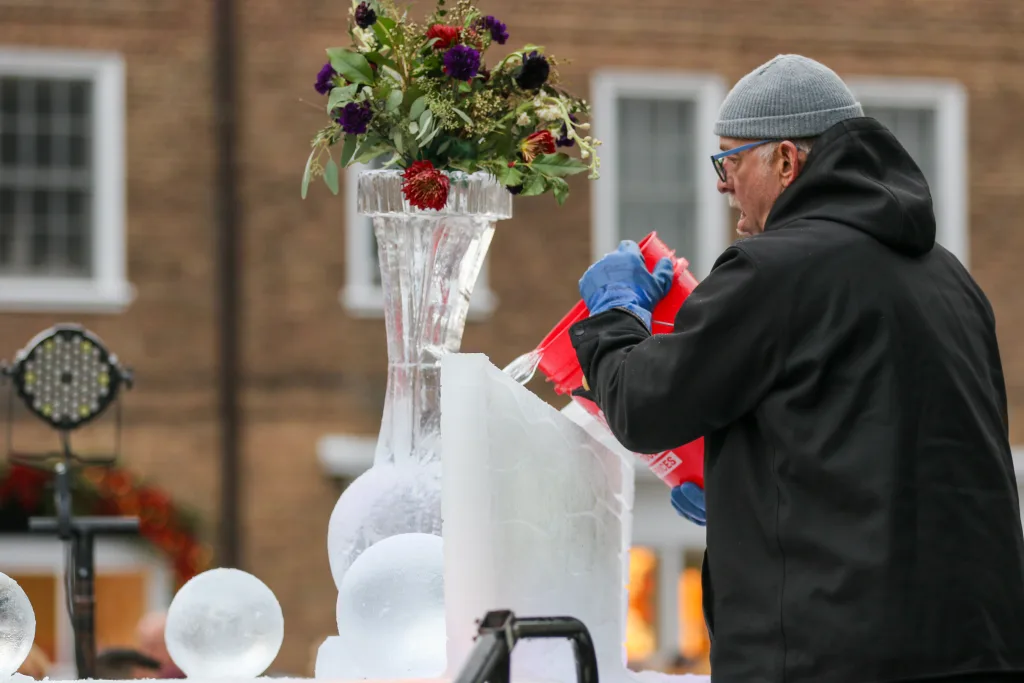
{"type": "Point", "coordinates": [116, 493]}
{"type": "Point", "coordinates": [424, 186]}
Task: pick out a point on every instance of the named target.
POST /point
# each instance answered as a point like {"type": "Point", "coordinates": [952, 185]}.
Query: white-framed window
{"type": "Point", "coordinates": [362, 296]}
{"type": "Point", "coordinates": [929, 118]}
{"type": "Point", "coordinates": [62, 181]}
{"type": "Point", "coordinates": [131, 580]}
{"type": "Point", "coordinates": [657, 138]}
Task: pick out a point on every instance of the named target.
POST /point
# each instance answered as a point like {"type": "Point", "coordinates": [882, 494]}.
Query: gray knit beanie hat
{"type": "Point", "coordinates": [788, 97]}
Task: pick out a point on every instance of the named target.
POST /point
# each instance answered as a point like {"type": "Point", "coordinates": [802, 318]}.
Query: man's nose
{"type": "Point", "coordinates": [723, 187]}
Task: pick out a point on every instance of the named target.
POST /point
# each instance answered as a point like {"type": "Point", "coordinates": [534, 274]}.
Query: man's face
{"type": "Point", "coordinates": [753, 183]}
{"type": "Point", "coordinates": [150, 636]}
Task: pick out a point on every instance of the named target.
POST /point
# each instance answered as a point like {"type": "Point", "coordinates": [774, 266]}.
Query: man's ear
{"type": "Point", "coordinates": [792, 162]}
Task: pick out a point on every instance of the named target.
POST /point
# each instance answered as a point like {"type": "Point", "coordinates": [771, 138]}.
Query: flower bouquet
{"type": "Point", "coordinates": [428, 95]}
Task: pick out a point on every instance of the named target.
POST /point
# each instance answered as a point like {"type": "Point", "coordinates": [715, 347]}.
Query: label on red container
{"type": "Point", "coordinates": [662, 464]}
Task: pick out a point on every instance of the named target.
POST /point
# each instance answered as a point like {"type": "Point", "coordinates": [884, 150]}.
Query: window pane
{"type": "Point", "coordinates": [915, 129]}
{"type": "Point", "coordinates": [655, 173]}
{"type": "Point", "coordinates": [7, 229]}
{"type": "Point", "coordinates": [45, 176]}
{"type": "Point", "coordinates": [41, 228]}
{"type": "Point", "coordinates": [78, 252]}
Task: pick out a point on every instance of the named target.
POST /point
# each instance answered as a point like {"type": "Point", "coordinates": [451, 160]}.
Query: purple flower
{"type": "Point", "coordinates": [563, 137]}
{"type": "Point", "coordinates": [355, 117]}
{"type": "Point", "coordinates": [534, 71]}
{"type": "Point", "coordinates": [365, 16]}
{"type": "Point", "coordinates": [325, 79]}
{"type": "Point", "coordinates": [499, 32]}
{"type": "Point", "coordinates": [461, 63]}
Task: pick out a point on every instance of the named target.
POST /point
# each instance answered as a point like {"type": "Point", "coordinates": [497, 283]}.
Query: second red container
{"type": "Point", "coordinates": [560, 366]}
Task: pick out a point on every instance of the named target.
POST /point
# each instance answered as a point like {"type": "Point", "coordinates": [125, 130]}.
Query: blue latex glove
{"type": "Point", "coordinates": [688, 500]}
{"type": "Point", "coordinates": [620, 280]}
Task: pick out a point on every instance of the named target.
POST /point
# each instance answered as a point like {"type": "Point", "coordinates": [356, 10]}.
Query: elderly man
{"type": "Point", "coordinates": [863, 523]}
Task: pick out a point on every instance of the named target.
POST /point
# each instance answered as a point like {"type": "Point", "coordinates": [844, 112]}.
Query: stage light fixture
{"type": "Point", "coordinates": [66, 377]}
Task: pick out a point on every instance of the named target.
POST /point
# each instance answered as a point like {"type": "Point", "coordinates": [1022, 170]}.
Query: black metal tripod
{"type": "Point", "coordinates": [81, 532]}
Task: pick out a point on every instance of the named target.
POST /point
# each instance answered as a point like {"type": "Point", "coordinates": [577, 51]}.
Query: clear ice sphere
{"type": "Point", "coordinates": [334, 661]}
{"type": "Point", "coordinates": [224, 623]}
{"type": "Point", "coordinates": [17, 626]}
{"type": "Point", "coordinates": [391, 608]}
{"type": "Point", "coordinates": [384, 501]}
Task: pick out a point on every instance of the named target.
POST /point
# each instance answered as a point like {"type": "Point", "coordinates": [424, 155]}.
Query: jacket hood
{"type": "Point", "coordinates": [859, 175]}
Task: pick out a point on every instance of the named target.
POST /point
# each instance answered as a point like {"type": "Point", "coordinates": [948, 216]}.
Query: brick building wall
{"type": "Point", "coordinates": [309, 368]}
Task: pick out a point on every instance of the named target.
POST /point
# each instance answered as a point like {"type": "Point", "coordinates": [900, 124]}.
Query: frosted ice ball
{"type": "Point", "coordinates": [334, 661]}
{"type": "Point", "coordinates": [391, 608]}
{"type": "Point", "coordinates": [224, 623]}
{"type": "Point", "coordinates": [384, 501]}
{"type": "Point", "coordinates": [17, 626]}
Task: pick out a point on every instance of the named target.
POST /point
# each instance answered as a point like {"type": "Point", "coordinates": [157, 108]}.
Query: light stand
{"type": "Point", "coordinates": [66, 377]}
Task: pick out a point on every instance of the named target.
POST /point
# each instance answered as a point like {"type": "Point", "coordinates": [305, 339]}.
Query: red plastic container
{"type": "Point", "coordinates": [560, 366]}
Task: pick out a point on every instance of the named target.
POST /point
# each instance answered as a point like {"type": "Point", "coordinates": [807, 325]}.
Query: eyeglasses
{"type": "Point", "coordinates": [717, 159]}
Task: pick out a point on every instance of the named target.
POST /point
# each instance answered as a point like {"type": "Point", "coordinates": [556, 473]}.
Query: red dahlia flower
{"type": "Point", "coordinates": [541, 142]}
{"type": "Point", "coordinates": [424, 186]}
{"type": "Point", "coordinates": [446, 35]}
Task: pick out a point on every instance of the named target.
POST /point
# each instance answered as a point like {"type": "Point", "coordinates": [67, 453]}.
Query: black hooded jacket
{"type": "Point", "coordinates": [863, 522]}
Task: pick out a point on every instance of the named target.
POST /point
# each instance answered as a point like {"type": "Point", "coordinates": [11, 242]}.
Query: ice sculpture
{"type": "Point", "coordinates": [391, 611]}
{"type": "Point", "coordinates": [537, 520]}
{"type": "Point", "coordinates": [224, 623]}
{"type": "Point", "coordinates": [17, 626]}
{"type": "Point", "coordinates": [429, 262]}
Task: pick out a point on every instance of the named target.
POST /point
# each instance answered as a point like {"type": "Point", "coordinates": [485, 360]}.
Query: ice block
{"type": "Point", "coordinates": [536, 519]}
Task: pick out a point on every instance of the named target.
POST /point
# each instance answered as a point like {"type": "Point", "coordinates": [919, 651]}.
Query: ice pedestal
{"type": "Point", "coordinates": [536, 520]}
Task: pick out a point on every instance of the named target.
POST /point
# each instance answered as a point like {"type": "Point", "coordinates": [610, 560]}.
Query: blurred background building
{"type": "Point", "coordinates": [260, 378]}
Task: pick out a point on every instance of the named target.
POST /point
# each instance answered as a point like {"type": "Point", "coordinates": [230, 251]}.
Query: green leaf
{"type": "Point", "coordinates": [352, 65]}
{"type": "Point", "coordinates": [397, 137]}
{"type": "Point", "coordinates": [426, 119]}
{"type": "Point", "coordinates": [380, 60]}
{"type": "Point", "coordinates": [465, 87]}
{"type": "Point", "coordinates": [414, 127]}
{"type": "Point", "coordinates": [463, 115]}
{"type": "Point", "coordinates": [560, 189]}
{"type": "Point", "coordinates": [534, 186]}
{"type": "Point", "coordinates": [509, 176]}
{"type": "Point", "coordinates": [382, 33]}
{"type": "Point", "coordinates": [394, 100]}
{"type": "Point", "coordinates": [558, 165]}
{"type": "Point", "coordinates": [368, 153]}
{"type": "Point", "coordinates": [434, 130]}
{"type": "Point", "coordinates": [386, 22]}
{"type": "Point", "coordinates": [331, 176]}
{"type": "Point", "coordinates": [349, 149]}
{"type": "Point", "coordinates": [307, 173]}
{"type": "Point", "coordinates": [340, 95]}
{"type": "Point", "coordinates": [418, 107]}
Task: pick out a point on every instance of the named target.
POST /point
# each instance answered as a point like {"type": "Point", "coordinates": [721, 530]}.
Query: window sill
{"type": "Point", "coordinates": [41, 295]}
{"type": "Point", "coordinates": [368, 302]}
{"type": "Point", "coordinates": [345, 456]}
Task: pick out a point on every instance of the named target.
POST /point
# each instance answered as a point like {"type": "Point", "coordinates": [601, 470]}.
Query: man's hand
{"type": "Point", "coordinates": [620, 280]}
{"type": "Point", "coordinates": [688, 500]}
